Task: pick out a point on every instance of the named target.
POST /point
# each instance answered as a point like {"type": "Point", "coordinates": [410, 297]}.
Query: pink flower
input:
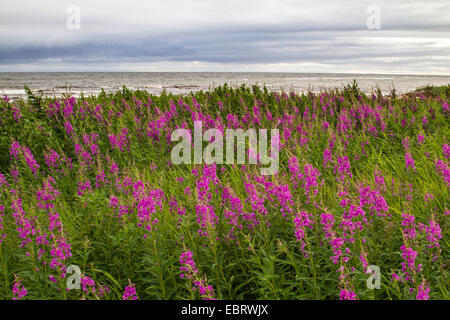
{"type": "Point", "coordinates": [302, 220]}
{"type": "Point", "coordinates": [16, 150]}
{"type": "Point", "coordinates": [306, 178]}
{"type": "Point", "coordinates": [423, 290]}
{"type": "Point", "coordinates": [405, 143]}
{"type": "Point", "coordinates": [327, 221]}
{"type": "Point", "coordinates": [206, 219]}
{"type": "Point", "coordinates": [433, 232]}
{"type": "Point", "coordinates": [409, 161]}
{"type": "Point", "coordinates": [88, 284]}
{"type": "Point", "coordinates": [446, 150]}
{"type": "Point", "coordinates": [326, 157]}
{"type": "Point", "coordinates": [396, 277]}
{"type": "Point", "coordinates": [191, 272]}
{"type": "Point", "coordinates": [347, 295]}
{"type": "Point", "coordinates": [420, 139]}
{"type": "Point", "coordinates": [409, 266]}
{"type": "Point", "coordinates": [343, 169]}
{"type": "Point", "coordinates": [130, 292]}
{"type": "Point", "coordinates": [83, 186]}
{"type": "Point", "coordinates": [18, 290]}
{"type": "Point", "coordinates": [444, 170]}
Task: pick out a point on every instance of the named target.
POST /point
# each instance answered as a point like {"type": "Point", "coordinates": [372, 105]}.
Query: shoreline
{"type": "Point", "coordinates": [58, 84]}
{"type": "Point", "coordinates": [59, 95]}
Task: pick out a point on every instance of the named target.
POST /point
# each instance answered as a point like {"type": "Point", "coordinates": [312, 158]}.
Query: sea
{"type": "Point", "coordinates": [74, 83]}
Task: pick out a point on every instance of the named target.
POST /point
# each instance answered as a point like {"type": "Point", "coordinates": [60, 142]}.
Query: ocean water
{"type": "Point", "coordinates": [57, 83]}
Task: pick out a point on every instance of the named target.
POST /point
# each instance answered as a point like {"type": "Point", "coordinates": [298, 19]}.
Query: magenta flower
{"type": "Point", "coordinates": [52, 159]}
{"type": "Point", "coordinates": [327, 221]}
{"type": "Point", "coordinates": [87, 284]}
{"type": "Point", "coordinates": [16, 150]}
{"type": "Point", "coordinates": [18, 290]}
{"type": "Point", "coordinates": [446, 151]}
{"type": "Point", "coordinates": [191, 272]}
{"type": "Point", "coordinates": [409, 161]}
{"type": "Point", "coordinates": [206, 219]}
{"type": "Point", "coordinates": [305, 178]}
{"type": "Point", "coordinates": [130, 292]}
{"type": "Point", "coordinates": [420, 139]}
{"type": "Point", "coordinates": [396, 277]}
{"type": "Point", "coordinates": [423, 290]}
{"type": "Point", "coordinates": [188, 265]}
{"type": "Point", "coordinates": [347, 295]}
{"type": "Point", "coordinates": [302, 220]}
{"type": "Point", "coordinates": [83, 187]}
{"type": "Point", "coordinates": [405, 143]}
{"type": "Point", "coordinates": [342, 168]}
{"type": "Point", "coordinates": [326, 157]}
{"type": "Point", "coordinates": [424, 121]}
{"type": "Point", "coordinates": [433, 233]}
{"type": "Point", "coordinates": [16, 114]}
{"type": "Point", "coordinates": [373, 201]}
{"type": "Point", "coordinates": [32, 163]}
{"type": "Point", "coordinates": [69, 128]}
{"type": "Point", "coordinates": [25, 226]}
{"type": "Point", "coordinates": [120, 141]}
{"type": "Point", "coordinates": [336, 244]}
{"type": "Point", "coordinates": [409, 226]}
{"type": "Point", "coordinates": [446, 107]}
{"type": "Point", "coordinates": [409, 266]}
{"type": "Point", "coordinates": [444, 170]}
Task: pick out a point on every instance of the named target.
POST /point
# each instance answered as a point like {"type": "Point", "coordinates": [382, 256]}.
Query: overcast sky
{"type": "Point", "coordinates": [231, 35]}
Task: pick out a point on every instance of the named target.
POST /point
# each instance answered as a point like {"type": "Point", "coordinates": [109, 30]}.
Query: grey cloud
{"type": "Point", "coordinates": [228, 33]}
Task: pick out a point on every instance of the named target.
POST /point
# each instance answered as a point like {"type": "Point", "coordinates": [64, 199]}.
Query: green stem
{"type": "Point", "coordinates": [5, 272]}
{"type": "Point", "coordinates": [311, 259]}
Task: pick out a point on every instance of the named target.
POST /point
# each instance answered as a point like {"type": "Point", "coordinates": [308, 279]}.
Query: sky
{"type": "Point", "coordinates": [345, 36]}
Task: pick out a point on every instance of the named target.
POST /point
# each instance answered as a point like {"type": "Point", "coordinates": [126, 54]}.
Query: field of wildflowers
{"type": "Point", "coordinates": [363, 181]}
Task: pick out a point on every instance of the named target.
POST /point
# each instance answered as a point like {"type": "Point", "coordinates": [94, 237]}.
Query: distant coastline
{"type": "Point", "coordinates": [59, 83]}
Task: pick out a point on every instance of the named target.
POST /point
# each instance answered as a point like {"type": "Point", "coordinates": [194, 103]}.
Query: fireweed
{"type": "Point", "coordinates": [216, 140]}
{"type": "Point", "coordinates": [191, 272]}
{"type": "Point", "coordinates": [348, 180]}
{"type": "Point", "coordinates": [18, 290]}
{"type": "Point", "coordinates": [130, 292]}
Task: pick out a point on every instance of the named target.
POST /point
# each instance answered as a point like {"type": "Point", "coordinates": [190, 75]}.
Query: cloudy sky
{"type": "Point", "coordinates": [226, 35]}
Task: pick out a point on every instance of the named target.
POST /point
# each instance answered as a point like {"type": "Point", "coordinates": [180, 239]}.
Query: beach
{"type": "Point", "coordinates": [58, 83]}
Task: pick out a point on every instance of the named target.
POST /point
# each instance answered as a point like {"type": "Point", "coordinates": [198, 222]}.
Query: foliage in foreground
{"type": "Point", "coordinates": [363, 180]}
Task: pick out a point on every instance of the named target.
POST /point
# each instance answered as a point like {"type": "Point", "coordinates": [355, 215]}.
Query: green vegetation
{"type": "Point", "coordinates": [363, 180]}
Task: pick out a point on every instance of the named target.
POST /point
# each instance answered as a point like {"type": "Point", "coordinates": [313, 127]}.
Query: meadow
{"type": "Point", "coordinates": [360, 197]}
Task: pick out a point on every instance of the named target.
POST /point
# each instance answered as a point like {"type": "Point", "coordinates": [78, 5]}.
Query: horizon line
{"type": "Point", "coordinates": [243, 72]}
